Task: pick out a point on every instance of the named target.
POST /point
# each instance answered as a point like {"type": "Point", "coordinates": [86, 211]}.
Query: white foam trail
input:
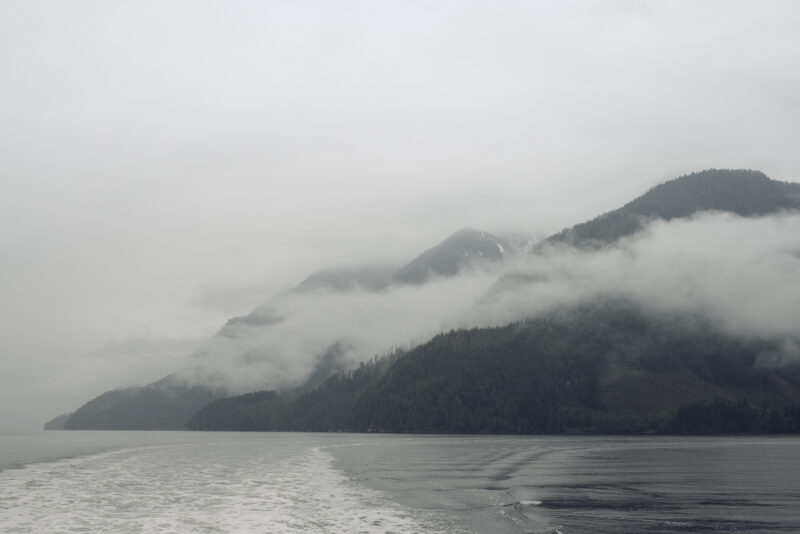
{"type": "Point", "coordinates": [250, 487]}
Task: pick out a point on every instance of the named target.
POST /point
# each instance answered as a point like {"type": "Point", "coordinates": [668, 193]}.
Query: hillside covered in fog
{"type": "Point", "coordinates": [605, 367]}
{"type": "Point", "coordinates": [743, 192]}
{"type": "Point", "coordinates": [673, 313]}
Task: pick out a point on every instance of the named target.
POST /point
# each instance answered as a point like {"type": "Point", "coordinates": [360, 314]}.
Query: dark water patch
{"type": "Point", "coordinates": [598, 485]}
{"type": "Point", "coordinates": [733, 502]}
{"type": "Point", "coordinates": [619, 522]}
{"type": "Point", "coordinates": [511, 465]}
{"type": "Point", "coordinates": [596, 504]}
{"type": "Point", "coordinates": [715, 525]}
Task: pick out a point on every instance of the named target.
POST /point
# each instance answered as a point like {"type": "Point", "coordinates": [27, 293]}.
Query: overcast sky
{"type": "Point", "coordinates": [166, 165]}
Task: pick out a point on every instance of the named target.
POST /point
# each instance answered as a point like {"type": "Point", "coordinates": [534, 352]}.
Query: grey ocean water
{"type": "Point", "coordinates": [331, 483]}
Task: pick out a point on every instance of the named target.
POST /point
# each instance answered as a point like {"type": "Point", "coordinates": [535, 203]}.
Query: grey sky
{"type": "Point", "coordinates": [166, 165]}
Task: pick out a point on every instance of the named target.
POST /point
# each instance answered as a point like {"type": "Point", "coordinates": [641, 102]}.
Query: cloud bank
{"type": "Point", "coordinates": [741, 274]}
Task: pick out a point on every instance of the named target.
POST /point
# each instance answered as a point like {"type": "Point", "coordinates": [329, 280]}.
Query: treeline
{"type": "Point", "coordinates": [721, 417]}
{"type": "Point", "coordinates": [159, 406]}
{"type": "Point", "coordinates": [743, 192]}
{"type": "Point", "coordinates": [605, 368]}
{"type": "Point", "coordinates": [329, 407]}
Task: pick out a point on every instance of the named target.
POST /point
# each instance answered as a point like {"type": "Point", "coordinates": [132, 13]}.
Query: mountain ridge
{"type": "Point", "coordinates": [162, 405]}
{"type": "Point", "coordinates": [605, 366]}
{"type": "Point", "coordinates": [459, 251]}
{"type": "Point", "coordinates": [743, 192]}
{"type": "Point", "coordinates": [167, 403]}
{"type": "Point", "coordinates": [753, 193]}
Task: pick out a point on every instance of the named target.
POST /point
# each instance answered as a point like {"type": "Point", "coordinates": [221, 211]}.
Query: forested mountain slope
{"type": "Point", "coordinates": [609, 366]}
{"type": "Point", "coordinates": [452, 255]}
{"type": "Point", "coordinates": [168, 403]}
{"type": "Point", "coordinates": [743, 192]}
{"type": "Point", "coordinates": [250, 339]}
{"type": "Point", "coordinates": [163, 405]}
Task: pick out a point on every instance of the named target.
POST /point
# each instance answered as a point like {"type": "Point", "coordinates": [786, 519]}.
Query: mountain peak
{"type": "Point", "coordinates": [741, 191]}
{"type": "Point", "coordinates": [369, 277]}
{"type": "Point", "coordinates": [449, 257]}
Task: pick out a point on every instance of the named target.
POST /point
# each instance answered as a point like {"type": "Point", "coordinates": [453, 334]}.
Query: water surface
{"type": "Point", "coordinates": [332, 483]}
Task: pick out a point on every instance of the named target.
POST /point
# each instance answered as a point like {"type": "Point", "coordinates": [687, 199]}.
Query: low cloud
{"type": "Point", "coordinates": [739, 272]}
{"type": "Point", "coordinates": [742, 274]}
{"type": "Point", "coordinates": [358, 324]}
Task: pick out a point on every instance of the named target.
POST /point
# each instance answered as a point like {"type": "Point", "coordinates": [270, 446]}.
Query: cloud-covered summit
{"type": "Point", "coordinates": [742, 192]}
{"type": "Point", "coordinates": [739, 273]}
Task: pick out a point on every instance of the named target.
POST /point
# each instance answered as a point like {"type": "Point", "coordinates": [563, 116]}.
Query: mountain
{"type": "Point", "coordinates": [260, 317]}
{"type": "Point", "coordinates": [457, 252]}
{"type": "Point", "coordinates": [168, 403]}
{"type": "Point", "coordinates": [256, 339]}
{"type": "Point", "coordinates": [462, 249]}
{"type": "Point", "coordinates": [58, 422]}
{"type": "Point", "coordinates": [608, 366]}
{"type": "Point", "coordinates": [368, 278]}
{"type": "Point", "coordinates": [744, 192]}
{"type": "Point", "coordinates": [163, 405]}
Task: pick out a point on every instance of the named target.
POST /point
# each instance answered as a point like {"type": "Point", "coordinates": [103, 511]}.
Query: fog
{"type": "Point", "coordinates": [168, 166]}
{"type": "Point", "coordinates": [742, 275]}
